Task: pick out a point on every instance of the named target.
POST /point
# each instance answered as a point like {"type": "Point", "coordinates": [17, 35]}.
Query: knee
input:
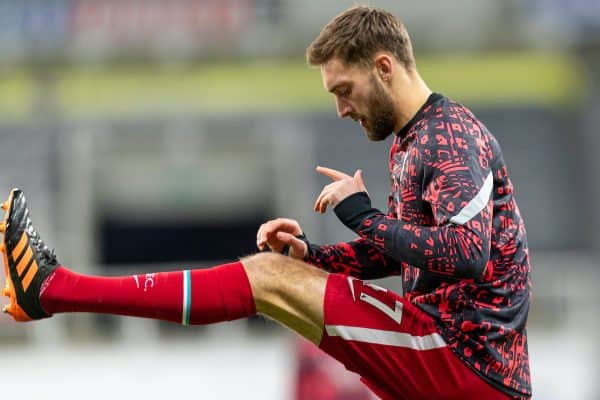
{"type": "Point", "coordinates": [265, 272]}
{"type": "Point", "coordinates": [273, 273]}
{"type": "Point", "coordinates": [265, 258]}
{"type": "Point", "coordinates": [264, 264]}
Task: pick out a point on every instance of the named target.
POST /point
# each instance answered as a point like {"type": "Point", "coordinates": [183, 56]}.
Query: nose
{"type": "Point", "coordinates": [343, 108]}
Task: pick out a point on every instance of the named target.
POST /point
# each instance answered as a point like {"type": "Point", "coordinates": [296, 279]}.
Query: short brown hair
{"type": "Point", "coordinates": [357, 34]}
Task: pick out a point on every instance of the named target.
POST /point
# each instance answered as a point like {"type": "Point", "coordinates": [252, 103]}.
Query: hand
{"type": "Point", "coordinates": [280, 232]}
{"type": "Point", "coordinates": [342, 186]}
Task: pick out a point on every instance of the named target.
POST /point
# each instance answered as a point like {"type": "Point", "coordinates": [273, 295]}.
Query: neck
{"type": "Point", "coordinates": [413, 94]}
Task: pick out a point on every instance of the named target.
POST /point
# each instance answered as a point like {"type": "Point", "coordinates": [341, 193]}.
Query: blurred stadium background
{"type": "Point", "coordinates": [152, 135]}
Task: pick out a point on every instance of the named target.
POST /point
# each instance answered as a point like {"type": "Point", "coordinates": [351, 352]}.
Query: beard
{"type": "Point", "coordinates": [381, 122]}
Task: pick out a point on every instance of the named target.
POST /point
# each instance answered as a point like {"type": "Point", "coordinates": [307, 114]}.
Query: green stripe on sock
{"type": "Point", "coordinates": [187, 297]}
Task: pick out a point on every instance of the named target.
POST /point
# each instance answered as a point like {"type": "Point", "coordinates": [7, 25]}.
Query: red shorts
{"type": "Point", "coordinates": [394, 347]}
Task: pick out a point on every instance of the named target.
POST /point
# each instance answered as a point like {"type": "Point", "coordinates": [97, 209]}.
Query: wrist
{"type": "Point", "coordinates": [353, 210]}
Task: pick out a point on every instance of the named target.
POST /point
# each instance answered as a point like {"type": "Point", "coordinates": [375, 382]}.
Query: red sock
{"type": "Point", "coordinates": [201, 296]}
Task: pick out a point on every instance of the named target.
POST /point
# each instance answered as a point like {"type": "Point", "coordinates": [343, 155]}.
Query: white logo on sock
{"type": "Point", "coordinates": [149, 282]}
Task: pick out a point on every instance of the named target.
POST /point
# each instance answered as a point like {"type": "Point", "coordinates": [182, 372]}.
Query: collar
{"type": "Point", "coordinates": [433, 97]}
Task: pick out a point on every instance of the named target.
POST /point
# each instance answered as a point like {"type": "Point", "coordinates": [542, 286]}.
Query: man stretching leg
{"type": "Point", "coordinates": [453, 232]}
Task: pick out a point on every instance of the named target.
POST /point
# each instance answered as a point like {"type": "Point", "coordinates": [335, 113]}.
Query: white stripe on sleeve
{"type": "Point", "coordinates": [477, 204]}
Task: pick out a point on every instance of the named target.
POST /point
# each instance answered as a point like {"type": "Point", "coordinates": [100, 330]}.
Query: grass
{"type": "Point", "coordinates": [139, 90]}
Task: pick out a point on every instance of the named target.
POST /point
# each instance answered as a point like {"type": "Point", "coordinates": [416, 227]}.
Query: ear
{"type": "Point", "coordinates": [384, 67]}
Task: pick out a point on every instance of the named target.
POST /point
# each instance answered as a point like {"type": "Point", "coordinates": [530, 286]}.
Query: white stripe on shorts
{"type": "Point", "coordinates": [389, 338]}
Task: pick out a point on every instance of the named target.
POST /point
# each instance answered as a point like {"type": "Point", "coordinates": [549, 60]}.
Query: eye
{"type": "Point", "coordinates": [345, 92]}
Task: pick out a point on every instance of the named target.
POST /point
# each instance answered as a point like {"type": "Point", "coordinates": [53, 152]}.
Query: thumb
{"type": "Point", "coordinates": [359, 179]}
{"type": "Point", "coordinates": [298, 248]}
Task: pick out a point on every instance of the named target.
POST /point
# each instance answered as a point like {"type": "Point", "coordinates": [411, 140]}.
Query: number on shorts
{"type": "Point", "coordinates": [394, 312]}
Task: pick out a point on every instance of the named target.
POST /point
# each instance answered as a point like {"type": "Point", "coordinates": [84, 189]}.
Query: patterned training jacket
{"type": "Point", "coordinates": [454, 233]}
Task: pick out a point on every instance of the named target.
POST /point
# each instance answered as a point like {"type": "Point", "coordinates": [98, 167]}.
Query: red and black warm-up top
{"type": "Point", "coordinates": [454, 233]}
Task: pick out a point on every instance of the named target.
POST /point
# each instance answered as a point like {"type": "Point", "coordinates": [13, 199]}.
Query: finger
{"type": "Point", "coordinates": [273, 243]}
{"type": "Point", "coordinates": [332, 173]}
{"type": "Point", "coordinates": [359, 179]}
{"type": "Point", "coordinates": [265, 234]}
{"type": "Point", "coordinates": [327, 196]}
{"type": "Point", "coordinates": [268, 229]}
{"type": "Point", "coordinates": [325, 201]}
{"type": "Point", "coordinates": [322, 206]}
{"type": "Point", "coordinates": [285, 224]}
{"type": "Point", "coordinates": [259, 238]}
{"type": "Point", "coordinates": [328, 188]}
{"type": "Point", "coordinates": [265, 241]}
{"type": "Point", "coordinates": [265, 249]}
{"type": "Point", "coordinates": [268, 234]}
{"type": "Point", "coordinates": [285, 237]}
{"type": "Point", "coordinates": [297, 247]}
{"type": "Point", "coordinates": [319, 200]}
{"type": "Point", "coordinates": [317, 204]}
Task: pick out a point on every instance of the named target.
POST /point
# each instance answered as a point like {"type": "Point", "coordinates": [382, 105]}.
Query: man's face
{"type": "Point", "coordinates": [360, 96]}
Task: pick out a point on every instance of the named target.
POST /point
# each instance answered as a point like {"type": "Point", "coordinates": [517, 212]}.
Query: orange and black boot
{"type": "Point", "coordinates": [27, 260]}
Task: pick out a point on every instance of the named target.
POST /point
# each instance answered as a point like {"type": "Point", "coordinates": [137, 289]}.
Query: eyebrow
{"type": "Point", "coordinates": [337, 86]}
